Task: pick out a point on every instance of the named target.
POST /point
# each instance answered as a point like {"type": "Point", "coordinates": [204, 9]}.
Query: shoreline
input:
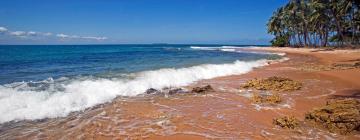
{"type": "Point", "coordinates": [226, 113]}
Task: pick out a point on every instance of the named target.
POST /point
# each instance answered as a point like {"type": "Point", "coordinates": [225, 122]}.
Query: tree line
{"type": "Point", "coordinates": [316, 23]}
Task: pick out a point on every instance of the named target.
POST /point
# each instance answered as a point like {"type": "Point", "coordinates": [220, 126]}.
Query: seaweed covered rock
{"type": "Point", "coordinates": [334, 66]}
{"type": "Point", "coordinates": [286, 122]}
{"type": "Point", "coordinates": [269, 99]}
{"type": "Point", "coordinates": [273, 83]}
{"type": "Point", "coordinates": [203, 89]}
{"type": "Point", "coordinates": [357, 65]}
{"type": "Point", "coordinates": [338, 116]}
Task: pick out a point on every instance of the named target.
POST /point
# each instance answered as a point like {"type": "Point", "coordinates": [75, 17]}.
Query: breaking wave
{"type": "Point", "coordinates": [57, 98]}
{"type": "Point", "coordinates": [233, 49]}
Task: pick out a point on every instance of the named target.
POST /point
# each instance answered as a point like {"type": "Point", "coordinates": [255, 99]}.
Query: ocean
{"type": "Point", "coordinates": [48, 81]}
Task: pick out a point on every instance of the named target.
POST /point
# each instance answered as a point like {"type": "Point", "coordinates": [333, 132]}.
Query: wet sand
{"type": "Point", "coordinates": [227, 113]}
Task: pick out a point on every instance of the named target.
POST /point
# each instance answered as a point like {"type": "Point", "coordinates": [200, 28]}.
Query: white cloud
{"type": "Point", "coordinates": [62, 35]}
{"type": "Point", "coordinates": [47, 34]}
{"type": "Point", "coordinates": [74, 36]}
{"type": "Point", "coordinates": [32, 33]}
{"type": "Point", "coordinates": [18, 33]}
{"type": "Point", "coordinates": [3, 29]}
{"type": "Point", "coordinates": [95, 38]}
{"type": "Point", "coordinates": [68, 36]}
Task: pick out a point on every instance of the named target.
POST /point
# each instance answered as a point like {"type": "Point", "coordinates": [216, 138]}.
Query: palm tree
{"type": "Point", "coordinates": [313, 22]}
{"type": "Point", "coordinates": [320, 19]}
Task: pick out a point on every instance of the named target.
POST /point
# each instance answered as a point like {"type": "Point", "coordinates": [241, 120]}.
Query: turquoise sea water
{"type": "Point", "coordinates": [34, 62]}
{"type": "Point", "coordinates": [54, 80]}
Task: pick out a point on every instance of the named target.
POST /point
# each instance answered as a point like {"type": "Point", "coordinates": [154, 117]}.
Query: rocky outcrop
{"type": "Point", "coordinates": [286, 122]}
{"type": "Point", "coordinates": [334, 66]}
{"type": "Point", "coordinates": [338, 116]}
{"type": "Point", "coordinates": [152, 91]}
{"type": "Point", "coordinates": [166, 91]}
{"type": "Point", "coordinates": [177, 91]}
{"type": "Point", "coordinates": [268, 99]}
{"type": "Point", "coordinates": [273, 83]}
{"type": "Point", "coordinates": [203, 89]}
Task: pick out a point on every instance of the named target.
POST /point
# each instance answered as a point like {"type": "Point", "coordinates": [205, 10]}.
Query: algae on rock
{"type": "Point", "coordinates": [269, 99]}
{"type": "Point", "coordinates": [338, 116]}
{"type": "Point", "coordinates": [286, 122]}
{"type": "Point", "coordinates": [273, 83]}
{"type": "Point", "coordinates": [203, 89]}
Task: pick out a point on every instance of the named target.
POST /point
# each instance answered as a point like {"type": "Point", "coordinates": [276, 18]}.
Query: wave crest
{"type": "Point", "coordinates": [20, 101]}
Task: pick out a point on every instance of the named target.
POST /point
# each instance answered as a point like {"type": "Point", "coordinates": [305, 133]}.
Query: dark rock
{"type": "Point", "coordinates": [357, 65]}
{"type": "Point", "coordinates": [338, 116]}
{"type": "Point", "coordinates": [286, 122]}
{"type": "Point", "coordinates": [203, 89]}
{"type": "Point", "coordinates": [152, 91]}
{"type": "Point", "coordinates": [177, 91]}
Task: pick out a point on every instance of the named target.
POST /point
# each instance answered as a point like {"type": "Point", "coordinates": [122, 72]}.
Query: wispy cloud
{"type": "Point", "coordinates": [32, 33]}
{"type": "Point", "coordinates": [96, 38]}
{"type": "Point", "coordinates": [18, 33]}
{"type": "Point", "coordinates": [61, 36]}
{"type": "Point", "coordinates": [3, 29]}
{"type": "Point", "coordinates": [47, 34]}
{"type": "Point", "coordinates": [64, 36]}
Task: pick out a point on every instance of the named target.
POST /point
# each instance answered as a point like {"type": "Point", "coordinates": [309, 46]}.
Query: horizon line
{"type": "Point", "coordinates": [132, 44]}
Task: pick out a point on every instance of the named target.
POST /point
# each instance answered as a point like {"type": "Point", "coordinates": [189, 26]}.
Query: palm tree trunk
{"type": "Point", "coordinates": [326, 37]}
{"type": "Point", "coordinates": [352, 26]}
{"type": "Point", "coordinates": [299, 38]}
{"type": "Point", "coordinates": [338, 26]}
{"type": "Point", "coordinates": [305, 37]}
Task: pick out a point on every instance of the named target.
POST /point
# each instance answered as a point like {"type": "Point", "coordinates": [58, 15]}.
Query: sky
{"type": "Point", "coordinates": [136, 21]}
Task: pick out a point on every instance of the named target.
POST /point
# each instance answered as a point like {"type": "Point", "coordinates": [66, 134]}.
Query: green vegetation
{"type": "Point", "coordinates": [316, 23]}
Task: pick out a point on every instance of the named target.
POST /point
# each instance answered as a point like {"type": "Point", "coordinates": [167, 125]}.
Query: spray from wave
{"type": "Point", "coordinates": [57, 98]}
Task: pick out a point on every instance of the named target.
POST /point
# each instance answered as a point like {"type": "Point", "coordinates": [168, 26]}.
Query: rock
{"type": "Point", "coordinates": [286, 122]}
{"type": "Point", "coordinates": [203, 89]}
{"type": "Point", "coordinates": [269, 99]}
{"type": "Point", "coordinates": [273, 99]}
{"type": "Point", "coordinates": [177, 91]}
{"type": "Point", "coordinates": [338, 116]}
{"type": "Point", "coordinates": [152, 91]}
{"type": "Point", "coordinates": [342, 66]}
{"type": "Point", "coordinates": [256, 98]}
{"type": "Point", "coordinates": [273, 83]}
{"type": "Point", "coordinates": [357, 65]}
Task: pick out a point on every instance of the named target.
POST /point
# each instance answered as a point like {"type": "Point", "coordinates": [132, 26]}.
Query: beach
{"type": "Point", "coordinates": [168, 70]}
{"type": "Point", "coordinates": [227, 112]}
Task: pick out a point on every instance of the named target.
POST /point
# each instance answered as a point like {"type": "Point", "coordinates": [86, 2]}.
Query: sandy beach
{"type": "Point", "coordinates": [225, 113]}
{"type": "Point", "coordinates": [187, 70]}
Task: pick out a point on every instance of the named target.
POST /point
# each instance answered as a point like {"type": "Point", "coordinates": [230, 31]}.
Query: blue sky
{"type": "Point", "coordinates": [135, 21]}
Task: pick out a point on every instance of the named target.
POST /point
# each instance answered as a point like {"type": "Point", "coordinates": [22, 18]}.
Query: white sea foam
{"type": "Point", "coordinates": [19, 101]}
{"type": "Point", "coordinates": [204, 48]}
{"type": "Point", "coordinates": [234, 49]}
